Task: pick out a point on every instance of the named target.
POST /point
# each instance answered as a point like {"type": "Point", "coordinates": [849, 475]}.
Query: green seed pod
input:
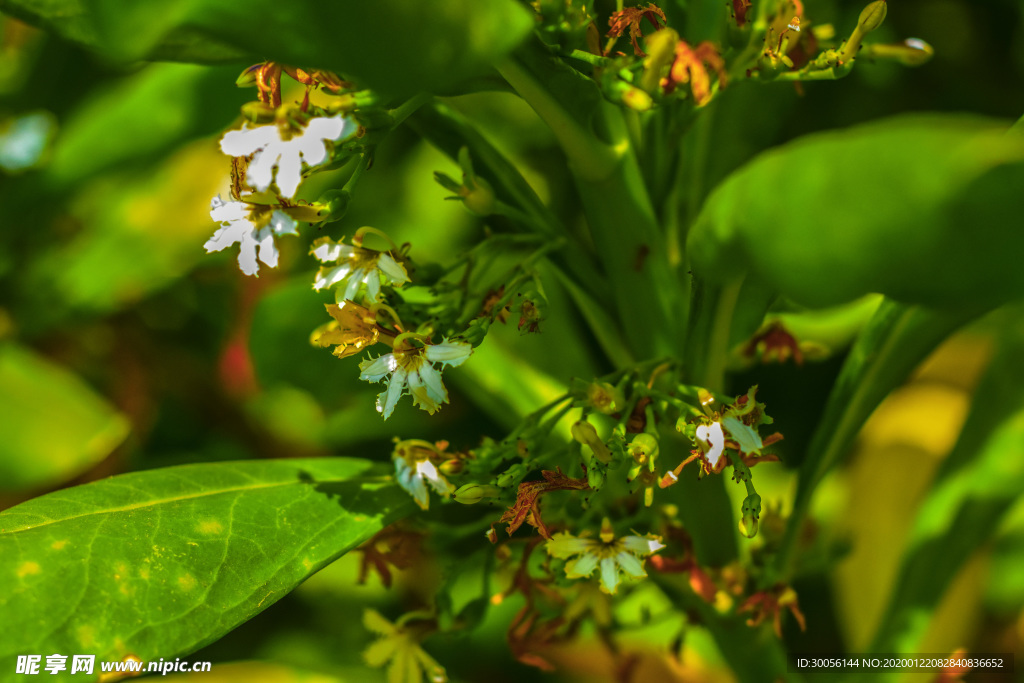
{"type": "Point", "coordinates": [751, 512]}
{"type": "Point", "coordinates": [471, 494]}
{"type": "Point", "coordinates": [595, 478]}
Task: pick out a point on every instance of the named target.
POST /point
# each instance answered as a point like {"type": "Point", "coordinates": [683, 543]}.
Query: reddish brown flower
{"type": "Point", "coordinates": [691, 66]}
{"type": "Point", "coordinates": [629, 19]}
{"type": "Point", "coordinates": [526, 508]}
{"type": "Point", "coordinates": [765, 604]}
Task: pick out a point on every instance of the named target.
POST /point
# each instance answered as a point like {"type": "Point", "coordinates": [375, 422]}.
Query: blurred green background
{"type": "Point", "coordinates": [123, 346]}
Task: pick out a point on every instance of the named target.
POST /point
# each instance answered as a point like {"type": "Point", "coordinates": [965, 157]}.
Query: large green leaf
{"type": "Point", "coordinates": [160, 563]}
{"type": "Point", "coordinates": [977, 484]}
{"type": "Point", "coordinates": [391, 45]}
{"type": "Point", "coordinates": [919, 208]}
{"type": "Point", "coordinates": [894, 342]}
{"type": "Point", "coordinates": [53, 425]}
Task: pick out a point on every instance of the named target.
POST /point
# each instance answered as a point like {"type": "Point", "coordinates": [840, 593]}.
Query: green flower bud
{"type": "Point", "coordinates": [643, 448]}
{"type": "Point", "coordinates": [247, 79]}
{"type": "Point", "coordinates": [751, 512]}
{"type": "Point", "coordinates": [911, 52]}
{"type": "Point", "coordinates": [584, 433]}
{"type": "Point", "coordinates": [478, 197]}
{"type": "Point", "coordinates": [872, 16]}
{"type": "Point", "coordinates": [636, 99]}
{"type": "Point", "coordinates": [336, 202]}
{"type": "Point", "coordinates": [471, 494]}
{"type": "Point", "coordinates": [595, 478]}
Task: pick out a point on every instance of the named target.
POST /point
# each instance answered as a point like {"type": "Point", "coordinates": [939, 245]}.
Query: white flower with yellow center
{"type": "Point", "coordinates": [355, 266]}
{"type": "Point", "coordinates": [612, 555]}
{"type": "Point", "coordinates": [285, 152]}
{"type": "Point", "coordinates": [251, 226]}
{"type": "Point", "coordinates": [415, 470]}
{"type": "Point", "coordinates": [411, 367]}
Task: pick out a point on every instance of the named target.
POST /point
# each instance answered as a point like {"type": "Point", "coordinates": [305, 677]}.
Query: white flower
{"type": "Point", "coordinates": [412, 367]}
{"type": "Point", "coordinates": [415, 469]}
{"type": "Point", "coordinates": [612, 555]}
{"type": "Point", "coordinates": [712, 441]}
{"type": "Point", "coordinates": [250, 226]}
{"type": "Point", "coordinates": [355, 266]}
{"type": "Point", "coordinates": [271, 150]}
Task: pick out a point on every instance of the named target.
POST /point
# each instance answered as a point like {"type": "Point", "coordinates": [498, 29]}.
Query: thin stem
{"type": "Point", "coordinates": [407, 108]}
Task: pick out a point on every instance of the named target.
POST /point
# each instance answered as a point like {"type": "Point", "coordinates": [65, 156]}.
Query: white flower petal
{"type": "Point", "coordinates": [449, 353]}
{"type": "Point", "coordinates": [354, 280]}
{"type": "Point", "coordinates": [564, 545]}
{"type": "Point", "coordinates": [609, 575]}
{"type": "Point", "coordinates": [242, 143]}
{"type": "Point", "coordinates": [268, 250]}
{"type": "Point", "coordinates": [392, 268]}
{"type": "Point", "coordinates": [327, 251]}
{"type": "Point", "coordinates": [418, 490]}
{"type": "Point", "coordinates": [387, 400]}
{"type": "Point", "coordinates": [226, 236]}
{"type": "Point", "coordinates": [261, 170]}
{"type": "Point", "coordinates": [372, 281]}
{"type": "Point", "coordinates": [630, 564]}
{"type": "Point", "coordinates": [426, 469]}
{"type": "Point", "coordinates": [283, 224]}
{"type": "Point", "coordinates": [327, 277]}
{"type": "Point", "coordinates": [641, 545]}
{"type": "Point", "coordinates": [582, 566]}
{"type": "Point", "coordinates": [247, 253]}
{"type": "Point", "coordinates": [712, 441]}
{"type": "Point", "coordinates": [325, 128]}
{"type": "Point", "coordinates": [374, 370]}
{"type": "Point", "coordinates": [289, 172]}
{"type": "Point", "coordinates": [432, 380]}
{"type": "Point", "coordinates": [228, 212]}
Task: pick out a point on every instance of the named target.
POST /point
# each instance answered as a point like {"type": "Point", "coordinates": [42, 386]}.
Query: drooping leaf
{"type": "Point", "coordinates": [916, 208]}
{"type": "Point", "coordinates": [390, 45]}
{"type": "Point", "coordinates": [161, 563]}
{"type": "Point", "coordinates": [976, 485]}
{"type": "Point", "coordinates": [54, 426]}
{"type": "Point", "coordinates": [896, 339]}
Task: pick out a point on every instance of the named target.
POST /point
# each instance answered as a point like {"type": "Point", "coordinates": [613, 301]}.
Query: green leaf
{"type": "Point", "coordinates": [397, 46]}
{"type": "Point", "coordinates": [916, 208]}
{"type": "Point", "coordinates": [54, 426]}
{"type": "Point", "coordinates": [163, 562]}
{"type": "Point", "coordinates": [895, 341]}
{"type": "Point", "coordinates": [977, 484]}
{"type": "Point", "coordinates": [747, 437]}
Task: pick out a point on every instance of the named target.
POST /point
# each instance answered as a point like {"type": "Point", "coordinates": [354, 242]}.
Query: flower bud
{"type": "Point", "coordinates": [872, 16]}
{"type": "Point", "coordinates": [584, 433]}
{"type": "Point", "coordinates": [595, 478]}
{"type": "Point", "coordinates": [605, 398]}
{"type": "Point", "coordinates": [452, 466]}
{"type": "Point", "coordinates": [337, 203]}
{"type": "Point", "coordinates": [478, 197]}
{"type": "Point", "coordinates": [751, 511]}
{"type": "Point", "coordinates": [248, 79]}
{"type": "Point", "coordinates": [911, 52]}
{"type": "Point", "coordinates": [474, 493]}
{"type": "Point", "coordinates": [636, 99]}
{"type": "Point", "coordinates": [643, 448]}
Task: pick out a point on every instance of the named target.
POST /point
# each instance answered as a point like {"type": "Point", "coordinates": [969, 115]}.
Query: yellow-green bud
{"type": "Point", "coordinates": [751, 512]}
{"type": "Point", "coordinates": [474, 493]}
{"type": "Point", "coordinates": [595, 478]}
{"type": "Point", "coordinates": [584, 433]}
{"type": "Point", "coordinates": [643, 448]}
{"type": "Point", "coordinates": [604, 397]}
{"type": "Point", "coordinates": [479, 197]}
{"type": "Point", "coordinates": [636, 99]}
{"type": "Point", "coordinates": [247, 79]}
{"type": "Point", "coordinates": [911, 52]}
{"type": "Point", "coordinates": [872, 16]}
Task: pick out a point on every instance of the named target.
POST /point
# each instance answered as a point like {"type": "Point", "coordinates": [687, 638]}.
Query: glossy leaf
{"type": "Point", "coordinates": [161, 563]}
{"type": "Point", "coordinates": [976, 485]}
{"type": "Point", "coordinates": [916, 208]}
{"type": "Point", "coordinates": [390, 45]}
{"type": "Point", "coordinates": [54, 425]}
{"type": "Point", "coordinates": [894, 342]}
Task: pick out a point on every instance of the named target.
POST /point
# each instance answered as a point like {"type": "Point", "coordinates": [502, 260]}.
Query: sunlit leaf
{"type": "Point", "coordinates": [160, 563]}
{"type": "Point", "coordinates": [916, 208]}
